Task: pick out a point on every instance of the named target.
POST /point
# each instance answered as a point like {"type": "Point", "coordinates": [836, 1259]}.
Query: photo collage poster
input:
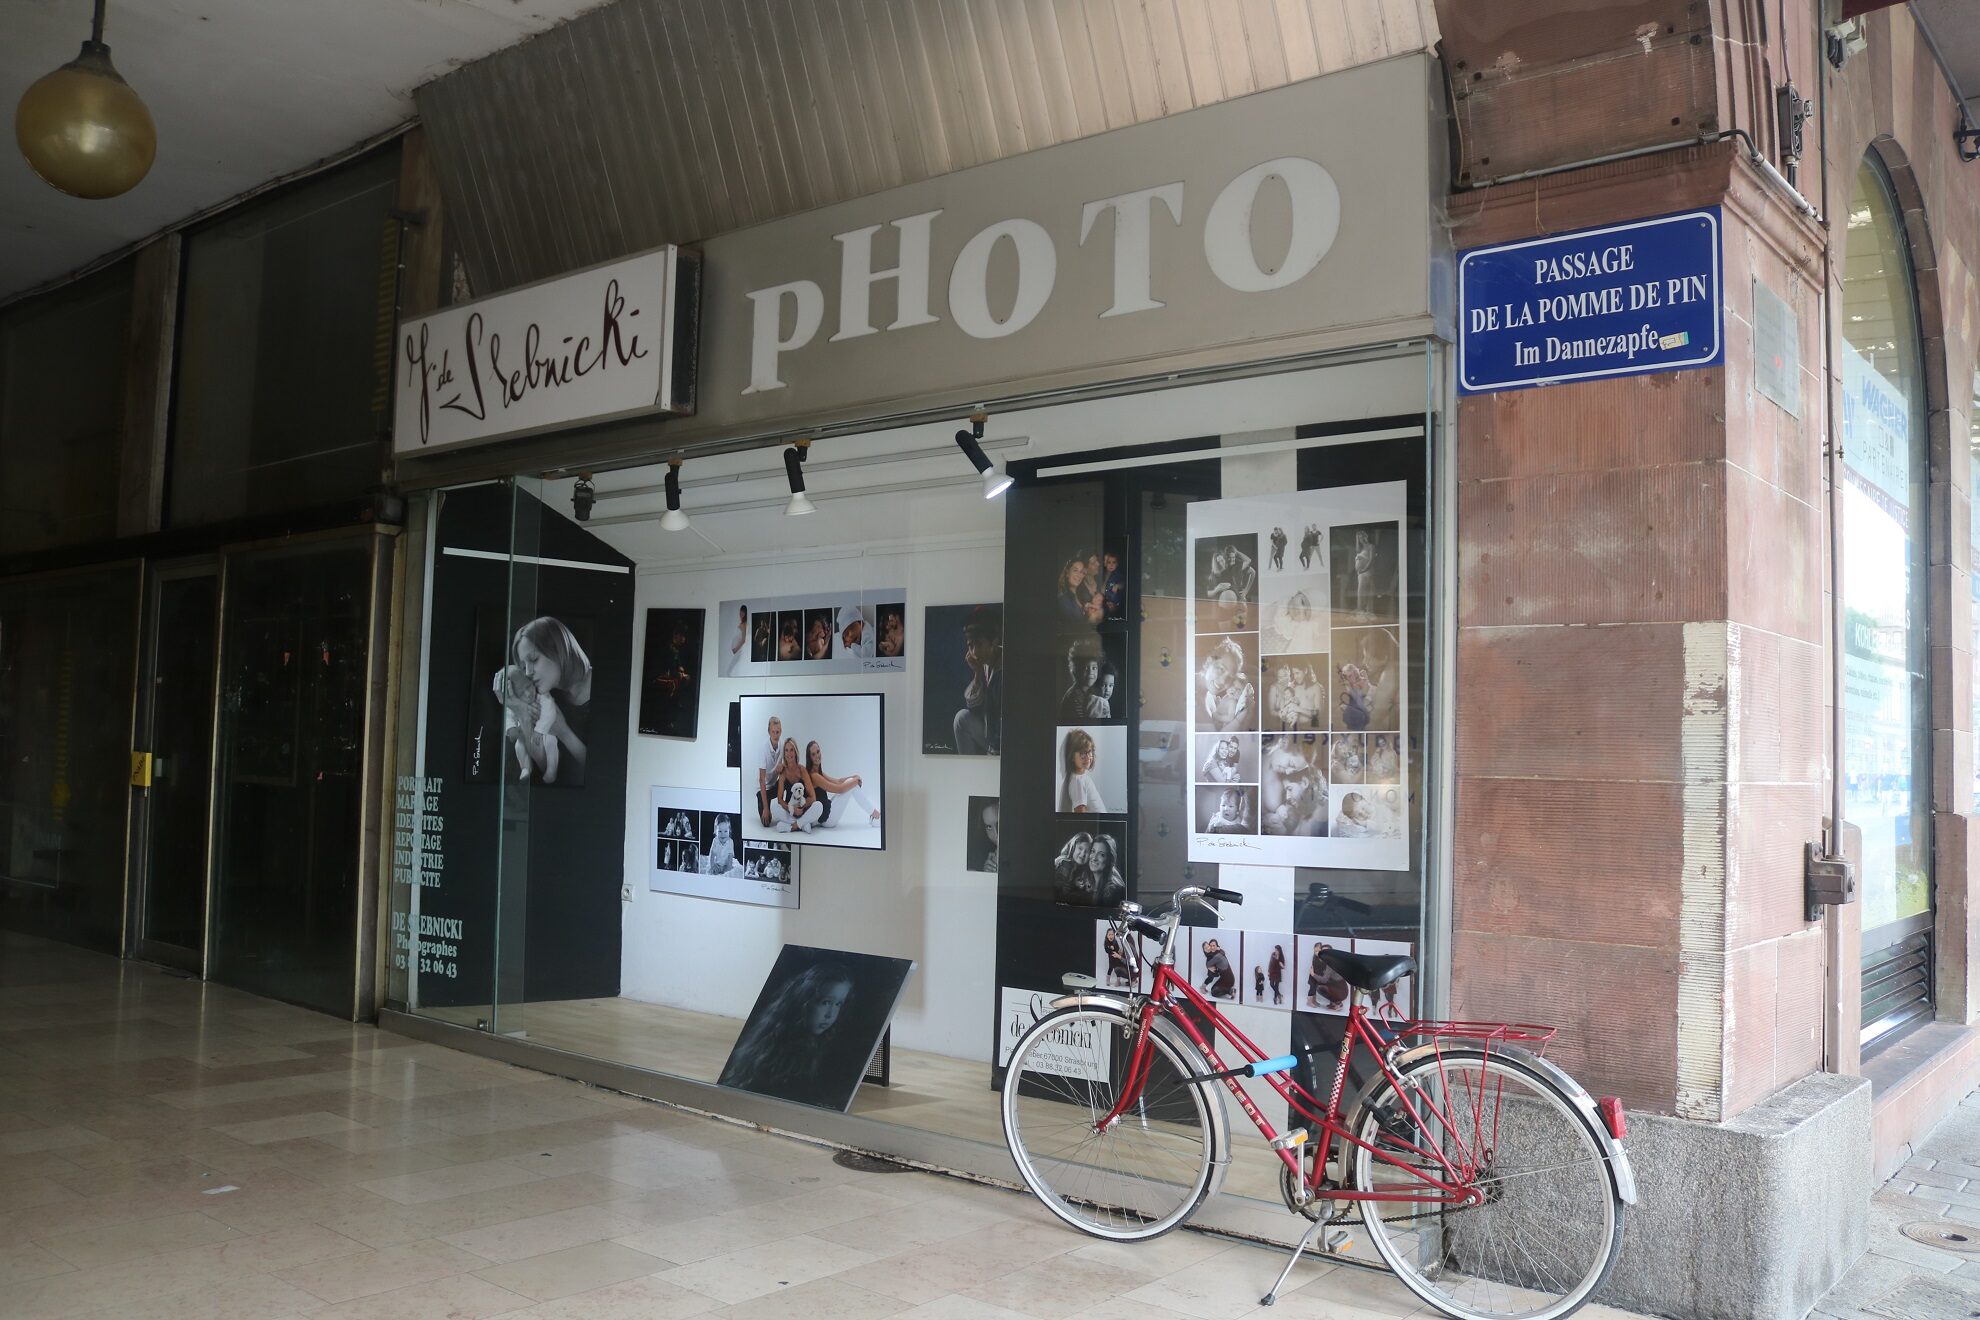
{"type": "Point", "coordinates": [847, 632]}
{"type": "Point", "coordinates": [1090, 751]}
{"type": "Point", "coordinates": [1298, 644]}
{"type": "Point", "coordinates": [1274, 970]}
{"type": "Point", "coordinates": [699, 850]}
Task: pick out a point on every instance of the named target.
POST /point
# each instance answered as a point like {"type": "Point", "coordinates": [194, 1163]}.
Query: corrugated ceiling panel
{"type": "Point", "coordinates": [656, 121]}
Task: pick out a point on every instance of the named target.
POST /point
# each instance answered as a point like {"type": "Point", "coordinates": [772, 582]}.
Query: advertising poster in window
{"type": "Point", "coordinates": [699, 850]}
{"type": "Point", "coordinates": [814, 770]}
{"type": "Point", "coordinates": [1298, 642]}
{"type": "Point", "coordinates": [842, 633]}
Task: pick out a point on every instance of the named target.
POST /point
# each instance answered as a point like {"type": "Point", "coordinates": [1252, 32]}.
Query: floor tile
{"type": "Point", "coordinates": [539, 1234]}
{"type": "Point", "coordinates": [823, 1299]}
{"type": "Point", "coordinates": [643, 1298]}
{"type": "Point", "coordinates": [462, 1297]}
{"type": "Point", "coordinates": [143, 1237]}
{"type": "Point", "coordinates": [360, 1274]}
{"type": "Point", "coordinates": [754, 1271]}
{"type": "Point", "coordinates": [571, 1270]}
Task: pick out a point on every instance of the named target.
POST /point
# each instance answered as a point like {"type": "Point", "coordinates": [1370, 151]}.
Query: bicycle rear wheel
{"type": "Point", "coordinates": [1546, 1234]}
{"type": "Point", "coordinates": [1142, 1175]}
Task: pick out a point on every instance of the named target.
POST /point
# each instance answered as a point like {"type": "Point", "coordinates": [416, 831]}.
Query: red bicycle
{"type": "Point", "coordinates": [1489, 1181]}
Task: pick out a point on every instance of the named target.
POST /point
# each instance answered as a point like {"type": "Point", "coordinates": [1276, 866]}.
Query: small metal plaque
{"type": "Point", "coordinates": [1776, 349]}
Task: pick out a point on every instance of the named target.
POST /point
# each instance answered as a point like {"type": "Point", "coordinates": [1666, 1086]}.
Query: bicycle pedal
{"type": "Point", "coordinates": [1338, 1241]}
{"type": "Point", "coordinates": [1290, 1140]}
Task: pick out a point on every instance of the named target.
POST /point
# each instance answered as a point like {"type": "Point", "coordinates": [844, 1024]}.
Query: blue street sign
{"type": "Point", "coordinates": [1617, 301]}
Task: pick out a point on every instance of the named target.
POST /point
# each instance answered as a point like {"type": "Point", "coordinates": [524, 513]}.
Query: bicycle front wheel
{"type": "Point", "coordinates": [1548, 1224]}
{"type": "Point", "coordinates": [1137, 1177]}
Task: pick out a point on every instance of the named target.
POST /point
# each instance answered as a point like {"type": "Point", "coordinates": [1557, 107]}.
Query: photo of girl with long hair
{"type": "Point", "coordinates": [540, 687]}
{"type": "Point", "coordinates": [1226, 690]}
{"type": "Point", "coordinates": [815, 1025]}
{"type": "Point", "coordinates": [1087, 870]}
{"type": "Point", "coordinates": [1295, 698]}
{"type": "Point", "coordinates": [1080, 599]}
{"type": "Point", "coordinates": [1293, 788]}
{"type": "Point", "coordinates": [1091, 770]}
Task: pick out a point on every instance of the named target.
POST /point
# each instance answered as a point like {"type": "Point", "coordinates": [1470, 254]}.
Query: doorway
{"type": "Point", "coordinates": [173, 811]}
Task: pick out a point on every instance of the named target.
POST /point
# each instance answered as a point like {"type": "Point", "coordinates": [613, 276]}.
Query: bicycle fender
{"type": "Point", "coordinates": [1220, 1126]}
{"type": "Point", "coordinates": [1621, 1173]}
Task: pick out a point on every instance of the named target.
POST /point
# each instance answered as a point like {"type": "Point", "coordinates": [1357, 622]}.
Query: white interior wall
{"type": "Point", "coordinates": [945, 545]}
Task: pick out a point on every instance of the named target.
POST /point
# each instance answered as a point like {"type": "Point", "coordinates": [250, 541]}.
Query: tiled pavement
{"type": "Point", "coordinates": [1900, 1277]}
{"type": "Point", "coordinates": [169, 1149]}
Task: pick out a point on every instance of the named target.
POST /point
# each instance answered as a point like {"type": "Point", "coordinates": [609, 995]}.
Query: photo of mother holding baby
{"type": "Point", "coordinates": [547, 677]}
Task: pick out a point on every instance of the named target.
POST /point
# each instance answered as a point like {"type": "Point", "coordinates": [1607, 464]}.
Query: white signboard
{"type": "Point", "coordinates": [1070, 1052]}
{"type": "Point", "coordinates": [584, 348]}
{"type": "Point", "coordinates": [1299, 645]}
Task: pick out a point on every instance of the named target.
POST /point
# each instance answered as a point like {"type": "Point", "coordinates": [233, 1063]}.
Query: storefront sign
{"type": "Point", "coordinates": [1071, 1051]}
{"type": "Point", "coordinates": [1291, 220]}
{"type": "Point", "coordinates": [1617, 301]}
{"type": "Point", "coordinates": [587, 347]}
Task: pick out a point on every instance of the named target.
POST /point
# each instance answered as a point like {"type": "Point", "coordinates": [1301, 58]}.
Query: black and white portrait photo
{"type": "Point", "coordinates": [790, 635]}
{"type": "Point", "coordinates": [1292, 789]}
{"type": "Point", "coordinates": [1384, 760]}
{"type": "Point", "coordinates": [670, 674]}
{"type": "Point", "coordinates": [1089, 868]}
{"type": "Point", "coordinates": [732, 637]}
{"type": "Point", "coordinates": [1226, 809]}
{"type": "Point", "coordinates": [762, 636]}
{"type": "Point", "coordinates": [1227, 583]}
{"type": "Point", "coordinates": [818, 633]}
{"type": "Point", "coordinates": [1365, 573]}
{"type": "Point", "coordinates": [1347, 758]}
{"type": "Point", "coordinates": [1080, 594]}
{"type": "Point", "coordinates": [698, 851]}
{"type": "Point", "coordinates": [1366, 812]}
{"type": "Point", "coordinates": [1226, 758]}
{"type": "Point", "coordinates": [1226, 689]}
{"type": "Point", "coordinates": [1321, 989]}
{"type": "Point", "coordinates": [1113, 581]}
{"type": "Point", "coordinates": [815, 1025]}
{"type": "Point", "coordinates": [1295, 689]}
{"type": "Point", "coordinates": [529, 717]}
{"type": "Point", "coordinates": [1292, 612]}
{"type": "Point", "coordinates": [981, 830]}
{"type": "Point", "coordinates": [1367, 680]}
{"type": "Point", "coordinates": [1090, 770]}
{"type": "Point", "coordinates": [1216, 970]}
{"type": "Point", "coordinates": [962, 680]}
{"type": "Point", "coordinates": [813, 770]}
{"type": "Point", "coordinates": [1095, 689]}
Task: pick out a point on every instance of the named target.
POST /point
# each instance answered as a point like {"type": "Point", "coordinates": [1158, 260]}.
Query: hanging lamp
{"type": "Point", "coordinates": [83, 129]}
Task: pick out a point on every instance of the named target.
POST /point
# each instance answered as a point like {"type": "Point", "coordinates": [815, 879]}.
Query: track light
{"type": "Point", "coordinates": [794, 470]}
{"type": "Point", "coordinates": [583, 495]}
{"type": "Point", "coordinates": [995, 480]}
{"type": "Point", "coordinates": [673, 519]}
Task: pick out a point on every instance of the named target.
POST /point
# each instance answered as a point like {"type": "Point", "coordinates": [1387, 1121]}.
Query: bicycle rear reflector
{"type": "Point", "coordinates": [1611, 1110]}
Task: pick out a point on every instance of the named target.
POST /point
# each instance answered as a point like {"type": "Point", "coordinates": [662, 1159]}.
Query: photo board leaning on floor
{"type": "Point", "coordinates": [815, 1025]}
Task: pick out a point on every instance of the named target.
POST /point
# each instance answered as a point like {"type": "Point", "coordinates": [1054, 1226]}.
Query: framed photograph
{"type": "Point", "coordinates": [1089, 770]}
{"type": "Point", "coordinates": [814, 770]}
{"type": "Point", "coordinates": [1096, 679]}
{"type": "Point", "coordinates": [982, 831]}
{"type": "Point", "coordinates": [735, 736]}
{"type": "Point", "coordinates": [815, 1025]}
{"type": "Point", "coordinates": [698, 850]}
{"type": "Point", "coordinates": [1089, 868]}
{"type": "Point", "coordinates": [529, 700]}
{"type": "Point", "coordinates": [962, 680]}
{"type": "Point", "coordinates": [670, 673]}
{"type": "Point", "coordinates": [891, 622]}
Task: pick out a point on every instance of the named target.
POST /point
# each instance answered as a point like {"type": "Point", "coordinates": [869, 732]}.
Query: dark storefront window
{"type": "Point", "coordinates": [285, 364]}
{"type": "Point", "coordinates": [62, 361]}
{"type": "Point", "coordinates": [67, 651]}
{"type": "Point", "coordinates": [294, 668]}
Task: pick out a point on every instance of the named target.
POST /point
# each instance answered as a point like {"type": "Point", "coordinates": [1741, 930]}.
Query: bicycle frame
{"type": "Point", "coordinates": [1455, 1187]}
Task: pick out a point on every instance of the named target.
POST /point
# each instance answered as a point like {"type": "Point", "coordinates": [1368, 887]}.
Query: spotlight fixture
{"type": "Point", "coordinates": [673, 519]}
{"type": "Point", "coordinates": [583, 496]}
{"type": "Point", "coordinates": [83, 129]}
{"type": "Point", "coordinates": [794, 470]}
{"type": "Point", "coordinates": [995, 480]}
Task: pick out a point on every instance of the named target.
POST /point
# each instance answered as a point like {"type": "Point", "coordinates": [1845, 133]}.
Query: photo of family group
{"type": "Point", "coordinates": [1092, 585]}
{"type": "Point", "coordinates": [962, 680]}
{"type": "Point", "coordinates": [529, 699]}
{"type": "Point", "coordinates": [1246, 968]}
{"type": "Point", "coordinates": [813, 771]}
{"type": "Point", "coordinates": [1321, 989]}
{"type": "Point", "coordinates": [699, 850]}
{"type": "Point", "coordinates": [1297, 669]}
{"type": "Point", "coordinates": [1089, 868]}
{"type": "Point", "coordinates": [835, 634]}
{"type": "Point", "coordinates": [1096, 679]}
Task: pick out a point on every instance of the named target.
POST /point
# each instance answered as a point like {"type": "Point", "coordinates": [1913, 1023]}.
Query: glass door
{"type": "Point", "coordinates": [182, 638]}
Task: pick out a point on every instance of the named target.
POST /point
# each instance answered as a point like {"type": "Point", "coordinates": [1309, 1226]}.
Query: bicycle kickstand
{"type": "Point", "coordinates": [1299, 1250]}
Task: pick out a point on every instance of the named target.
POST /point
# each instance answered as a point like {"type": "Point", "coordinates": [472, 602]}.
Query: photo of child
{"type": "Point", "coordinates": [790, 635]}
{"type": "Point", "coordinates": [1226, 691]}
{"type": "Point", "coordinates": [892, 642]}
{"type": "Point", "coordinates": [1113, 582]}
{"type": "Point", "coordinates": [1384, 762]}
{"type": "Point", "coordinates": [1368, 680]}
{"type": "Point", "coordinates": [534, 688]}
{"type": "Point", "coordinates": [1293, 786]}
{"type": "Point", "coordinates": [1367, 813]}
{"type": "Point", "coordinates": [698, 851]}
{"type": "Point", "coordinates": [1090, 773]}
{"type": "Point", "coordinates": [1227, 758]}
{"type": "Point", "coordinates": [818, 633]}
{"type": "Point", "coordinates": [1295, 692]}
{"type": "Point", "coordinates": [1232, 810]}
{"type": "Point", "coordinates": [1348, 759]}
{"type": "Point", "coordinates": [1094, 693]}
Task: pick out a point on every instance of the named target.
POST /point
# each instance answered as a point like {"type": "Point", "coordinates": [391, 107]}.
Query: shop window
{"type": "Point", "coordinates": [1886, 761]}
{"type": "Point", "coordinates": [285, 368]}
{"type": "Point", "coordinates": [67, 651]}
{"type": "Point", "coordinates": [62, 364]}
{"type": "Point", "coordinates": [628, 896]}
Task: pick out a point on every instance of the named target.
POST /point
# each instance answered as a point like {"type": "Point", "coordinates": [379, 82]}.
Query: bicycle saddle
{"type": "Point", "coordinates": [1369, 972]}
